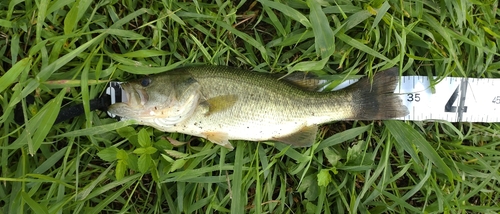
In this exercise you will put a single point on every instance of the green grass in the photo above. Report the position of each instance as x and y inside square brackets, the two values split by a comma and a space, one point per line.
[63, 53]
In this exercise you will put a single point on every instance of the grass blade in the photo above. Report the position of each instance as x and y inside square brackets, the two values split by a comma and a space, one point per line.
[39, 126]
[12, 74]
[287, 10]
[246, 38]
[238, 196]
[341, 137]
[356, 44]
[40, 18]
[380, 13]
[36, 207]
[323, 34]
[97, 129]
[51, 68]
[408, 137]
[150, 70]
[75, 14]
[6, 24]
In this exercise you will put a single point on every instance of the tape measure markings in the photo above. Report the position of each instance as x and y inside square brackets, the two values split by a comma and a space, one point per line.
[455, 99]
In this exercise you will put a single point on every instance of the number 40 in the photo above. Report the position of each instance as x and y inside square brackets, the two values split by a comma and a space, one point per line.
[449, 107]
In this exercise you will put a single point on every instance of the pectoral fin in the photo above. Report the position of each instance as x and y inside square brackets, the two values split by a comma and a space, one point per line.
[302, 138]
[219, 138]
[219, 103]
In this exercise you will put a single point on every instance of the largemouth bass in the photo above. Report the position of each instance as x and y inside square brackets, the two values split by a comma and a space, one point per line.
[221, 103]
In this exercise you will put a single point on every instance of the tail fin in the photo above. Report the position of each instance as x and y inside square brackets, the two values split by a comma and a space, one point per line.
[376, 100]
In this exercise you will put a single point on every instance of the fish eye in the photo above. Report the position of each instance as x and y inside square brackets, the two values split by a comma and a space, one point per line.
[145, 82]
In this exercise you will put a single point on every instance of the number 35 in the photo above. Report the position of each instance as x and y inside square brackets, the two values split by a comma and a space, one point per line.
[413, 97]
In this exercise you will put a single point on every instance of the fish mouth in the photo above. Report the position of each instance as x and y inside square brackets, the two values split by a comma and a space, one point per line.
[134, 97]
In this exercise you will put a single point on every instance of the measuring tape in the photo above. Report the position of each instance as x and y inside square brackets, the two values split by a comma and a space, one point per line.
[453, 99]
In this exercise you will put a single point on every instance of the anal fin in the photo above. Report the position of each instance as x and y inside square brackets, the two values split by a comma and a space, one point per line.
[219, 138]
[304, 137]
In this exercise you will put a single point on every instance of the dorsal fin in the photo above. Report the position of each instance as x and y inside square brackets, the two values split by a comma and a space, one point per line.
[303, 80]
